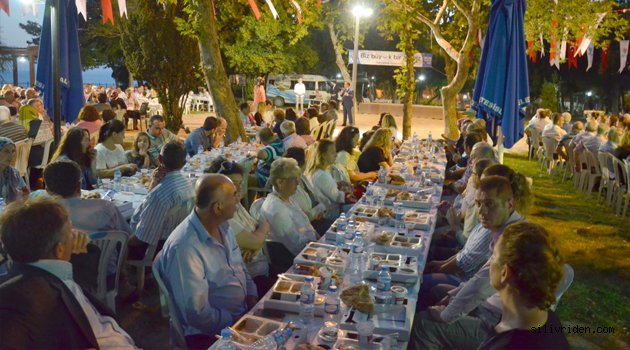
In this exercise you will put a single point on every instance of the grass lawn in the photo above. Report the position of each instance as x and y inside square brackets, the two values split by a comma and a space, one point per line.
[597, 244]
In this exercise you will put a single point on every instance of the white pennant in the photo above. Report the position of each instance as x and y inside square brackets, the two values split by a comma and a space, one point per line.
[586, 41]
[556, 61]
[272, 9]
[542, 46]
[122, 8]
[480, 38]
[589, 55]
[82, 8]
[563, 50]
[623, 52]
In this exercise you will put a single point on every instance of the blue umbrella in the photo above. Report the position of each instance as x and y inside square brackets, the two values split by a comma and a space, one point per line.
[71, 78]
[502, 87]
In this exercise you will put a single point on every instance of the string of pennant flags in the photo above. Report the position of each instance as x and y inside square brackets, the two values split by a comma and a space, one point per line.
[108, 13]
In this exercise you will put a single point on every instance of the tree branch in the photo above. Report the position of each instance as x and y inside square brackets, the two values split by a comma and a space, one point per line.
[437, 33]
[440, 13]
[465, 12]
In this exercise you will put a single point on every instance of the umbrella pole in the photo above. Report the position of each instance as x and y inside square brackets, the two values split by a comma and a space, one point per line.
[500, 147]
[55, 52]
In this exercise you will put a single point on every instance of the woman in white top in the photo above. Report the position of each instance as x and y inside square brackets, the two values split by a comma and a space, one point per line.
[347, 155]
[290, 226]
[250, 232]
[110, 154]
[326, 188]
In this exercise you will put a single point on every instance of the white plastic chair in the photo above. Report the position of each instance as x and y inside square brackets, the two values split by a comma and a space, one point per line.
[593, 171]
[622, 171]
[254, 209]
[534, 145]
[318, 131]
[20, 161]
[169, 310]
[46, 155]
[569, 166]
[606, 182]
[549, 147]
[564, 285]
[110, 243]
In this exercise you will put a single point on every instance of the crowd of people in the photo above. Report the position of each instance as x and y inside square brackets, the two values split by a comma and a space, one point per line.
[491, 276]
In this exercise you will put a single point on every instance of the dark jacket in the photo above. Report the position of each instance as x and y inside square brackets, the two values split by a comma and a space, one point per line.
[38, 311]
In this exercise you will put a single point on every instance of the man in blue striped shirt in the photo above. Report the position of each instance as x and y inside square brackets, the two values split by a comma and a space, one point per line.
[168, 203]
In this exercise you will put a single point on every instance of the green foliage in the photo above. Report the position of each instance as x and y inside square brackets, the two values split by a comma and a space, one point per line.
[164, 58]
[577, 17]
[549, 96]
[33, 29]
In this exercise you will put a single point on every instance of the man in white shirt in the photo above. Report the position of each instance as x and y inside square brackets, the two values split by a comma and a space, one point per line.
[291, 138]
[300, 90]
[555, 129]
[539, 120]
[41, 306]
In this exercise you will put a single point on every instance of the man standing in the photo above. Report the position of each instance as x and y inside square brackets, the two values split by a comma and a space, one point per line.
[159, 135]
[347, 101]
[202, 266]
[300, 90]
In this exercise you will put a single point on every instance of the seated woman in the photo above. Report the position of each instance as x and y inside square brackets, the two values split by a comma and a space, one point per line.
[526, 269]
[326, 188]
[12, 185]
[302, 126]
[75, 146]
[347, 155]
[139, 154]
[377, 152]
[291, 229]
[89, 119]
[389, 122]
[250, 233]
[110, 154]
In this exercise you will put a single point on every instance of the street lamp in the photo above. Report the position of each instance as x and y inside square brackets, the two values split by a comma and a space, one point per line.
[358, 11]
[589, 93]
[422, 77]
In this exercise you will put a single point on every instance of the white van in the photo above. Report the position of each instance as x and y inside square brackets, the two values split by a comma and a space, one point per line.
[279, 88]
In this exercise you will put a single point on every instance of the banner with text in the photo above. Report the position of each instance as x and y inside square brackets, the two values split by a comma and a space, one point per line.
[390, 58]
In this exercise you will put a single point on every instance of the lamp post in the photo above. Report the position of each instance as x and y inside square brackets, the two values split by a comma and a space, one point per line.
[358, 11]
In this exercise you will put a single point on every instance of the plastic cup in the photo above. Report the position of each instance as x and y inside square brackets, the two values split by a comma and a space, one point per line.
[399, 293]
[365, 330]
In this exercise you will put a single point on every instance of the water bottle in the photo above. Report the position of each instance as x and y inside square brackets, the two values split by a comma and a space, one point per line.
[225, 342]
[369, 191]
[275, 340]
[331, 308]
[200, 150]
[307, 301]
[358, 250]
[399, 214]
[383, 285]
[341, 222]
[382, 174]
[349, 234]
[117, 179]
[430, 138]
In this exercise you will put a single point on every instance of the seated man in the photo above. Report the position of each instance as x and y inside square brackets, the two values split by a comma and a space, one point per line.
[41, 306]
[202, 266]
[63, 178]
[273, 150]
[480, 150]
[467, 321]
[291, 138]
[168, 203]
[592, 142]
[159, 135]
[495, 207]
[590, 129]
[10, 129]
[201, 137]
[567, 138]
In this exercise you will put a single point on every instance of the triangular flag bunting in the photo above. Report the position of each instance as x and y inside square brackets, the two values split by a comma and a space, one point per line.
[108, 13]
[299, 11]
[530, 51]
[589, 55]
[4, 5]
[252, 4]
[542, 46]
[572, 59]
[604, 57]
[122, 8]
[81, 8]
[563, 50]
[272, 9]
[623, 53]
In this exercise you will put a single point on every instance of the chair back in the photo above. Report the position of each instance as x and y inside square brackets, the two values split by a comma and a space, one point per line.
[536, 137]
[111, 243]
[619, 171]
[331, 128]
[549, 145]
[144, 108]
[566, 282]
[592, 162]
[318, 132]
[46, 156]
[626, 169]
[254, 209]
[169, 308]
[605, 160]
[22, 151]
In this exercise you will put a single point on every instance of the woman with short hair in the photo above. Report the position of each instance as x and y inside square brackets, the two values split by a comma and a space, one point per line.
[110, 154]
[89, 119]
[12, 186]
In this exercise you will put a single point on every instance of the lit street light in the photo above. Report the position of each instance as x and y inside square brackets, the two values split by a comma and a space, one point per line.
[422, 77]
[358, 11]
[589, 93]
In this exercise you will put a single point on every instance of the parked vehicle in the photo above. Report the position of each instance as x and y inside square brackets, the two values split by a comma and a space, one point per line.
[279, 88]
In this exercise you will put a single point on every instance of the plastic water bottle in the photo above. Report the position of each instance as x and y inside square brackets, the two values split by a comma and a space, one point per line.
[382, 174]
[331, 308]
[369, 191]
[358, 250]
[117, 179]
[307, 301]
[349, 234]
[2, 204]
[341, 222]
[200, 150]
[225, 343]
[383, 285]
[430, 138]
[275, 340]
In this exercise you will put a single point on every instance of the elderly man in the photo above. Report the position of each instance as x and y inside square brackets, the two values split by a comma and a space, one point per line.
[567, 138]
[9, 100]
[539, 121]
[8, 128]
[168, 203]
[495, 207]
[159, 135]
[555, 130]
[590, 129]
[291, 138]
[592, 141]
[41, 306]
[480, 150]
[202, 266]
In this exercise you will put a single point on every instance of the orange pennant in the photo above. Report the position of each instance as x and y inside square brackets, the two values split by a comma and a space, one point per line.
[254, 7]
[530, 51]
[4, 5]
[108, 13]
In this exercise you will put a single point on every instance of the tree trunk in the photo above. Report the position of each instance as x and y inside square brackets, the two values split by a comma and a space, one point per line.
[131, 80]
[172, 111]
[341, 64]
[214, 71]
[410, 81]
